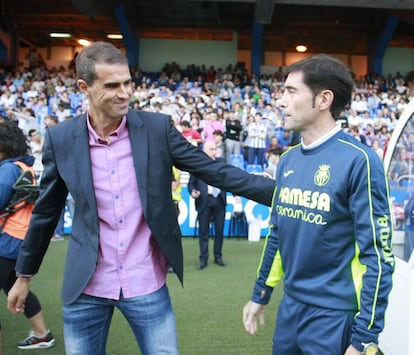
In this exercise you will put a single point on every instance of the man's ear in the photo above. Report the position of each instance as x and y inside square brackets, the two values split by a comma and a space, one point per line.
[326, 99]
[82, 86]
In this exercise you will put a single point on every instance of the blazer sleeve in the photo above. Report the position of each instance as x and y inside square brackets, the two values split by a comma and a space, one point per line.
[217, 172]
[46, 213]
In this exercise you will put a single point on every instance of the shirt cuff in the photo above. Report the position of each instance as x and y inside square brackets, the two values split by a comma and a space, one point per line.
[23, 276]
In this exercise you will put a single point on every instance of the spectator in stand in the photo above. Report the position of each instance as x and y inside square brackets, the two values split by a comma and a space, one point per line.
[26, 120]
[39, 83]
[369, 134]
[195, 90]
[220, 144]
[36, 146]
[354, 131]
[285, 140]
[192, 135]
[64, 100]
[273, 144]
[182, 114]
[7, 100]
[383, 136]
[236, 97]
[255, 143]
[272, 162]
[31, 93]
[51, 121]
[376, 147]
[19, 104]
[359, 104]
[18, 79]
[353, 118]
[373, 103]
[35, 59]
[60, 87]
[274, 119]
[163, 79]
[212, 124]
[195, 123]
[211, 75]
[40, 108]
[233, 134]
[401, 164]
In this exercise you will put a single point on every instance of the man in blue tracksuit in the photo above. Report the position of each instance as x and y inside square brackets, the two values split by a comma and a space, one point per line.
[330, 233]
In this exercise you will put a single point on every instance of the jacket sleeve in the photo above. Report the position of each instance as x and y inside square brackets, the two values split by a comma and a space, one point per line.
[187, 157]
[270, 270]
[46, 214]
[374, 263]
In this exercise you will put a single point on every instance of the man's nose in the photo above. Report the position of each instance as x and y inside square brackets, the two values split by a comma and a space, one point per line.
[280, 102]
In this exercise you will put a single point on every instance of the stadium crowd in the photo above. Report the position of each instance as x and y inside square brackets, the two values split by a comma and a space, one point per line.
[206, 103]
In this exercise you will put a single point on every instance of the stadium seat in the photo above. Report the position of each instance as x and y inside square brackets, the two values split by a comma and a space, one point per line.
[254, 168]
[237, 160]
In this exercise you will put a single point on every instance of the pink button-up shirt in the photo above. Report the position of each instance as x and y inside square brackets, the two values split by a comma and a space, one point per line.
[129, 258]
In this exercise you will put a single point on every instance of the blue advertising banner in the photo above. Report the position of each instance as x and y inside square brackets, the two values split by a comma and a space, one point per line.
[188, 214]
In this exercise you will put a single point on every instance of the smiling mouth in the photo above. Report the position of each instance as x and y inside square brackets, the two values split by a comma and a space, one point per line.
[122, 104]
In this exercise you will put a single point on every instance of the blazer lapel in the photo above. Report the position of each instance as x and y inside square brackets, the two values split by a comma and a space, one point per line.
[80, 149]
[139, 145]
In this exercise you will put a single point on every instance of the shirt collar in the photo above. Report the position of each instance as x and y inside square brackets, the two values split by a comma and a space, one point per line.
[321, 140]
[118, 133]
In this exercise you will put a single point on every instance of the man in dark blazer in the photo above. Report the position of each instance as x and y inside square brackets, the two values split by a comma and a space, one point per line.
[117, 165]
[210, 204]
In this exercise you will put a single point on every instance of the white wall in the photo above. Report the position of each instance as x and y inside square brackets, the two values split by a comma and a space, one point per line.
[154, 53]
[398, 59]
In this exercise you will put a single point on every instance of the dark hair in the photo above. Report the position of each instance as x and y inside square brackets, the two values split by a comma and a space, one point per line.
[31, 131]
[97, 52]
[53, 118]
[323, 72]
[276, 151]
[13, 142]
[217, 132]
[185, 123]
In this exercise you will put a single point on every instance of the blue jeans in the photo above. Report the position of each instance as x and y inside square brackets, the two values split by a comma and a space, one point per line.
[151, 317]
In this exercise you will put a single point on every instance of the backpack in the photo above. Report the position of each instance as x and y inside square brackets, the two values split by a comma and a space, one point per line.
[26, 191]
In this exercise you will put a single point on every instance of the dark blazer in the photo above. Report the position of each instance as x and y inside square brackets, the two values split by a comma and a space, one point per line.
[201, 202]
[156, 147]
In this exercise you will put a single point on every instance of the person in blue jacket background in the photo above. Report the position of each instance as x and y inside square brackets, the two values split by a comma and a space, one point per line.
[14, 158]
